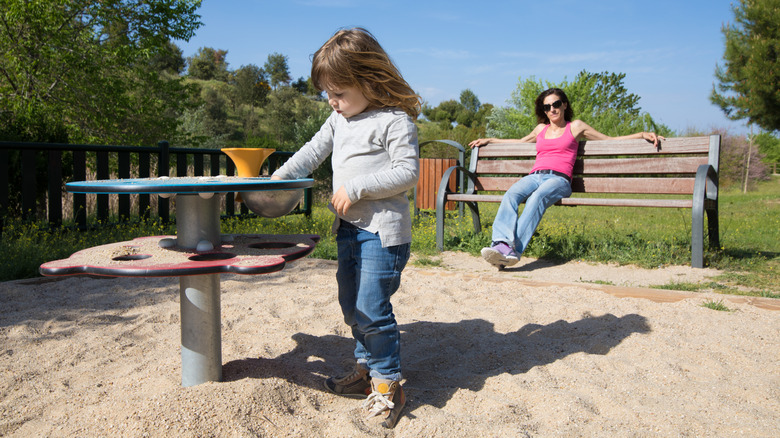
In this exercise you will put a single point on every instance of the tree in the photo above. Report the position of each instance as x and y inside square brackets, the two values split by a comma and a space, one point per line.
[89, 69]
[769, 146]
[469, 100]
[446, 111]
[307, 88]
[461, 121]
[286, 112]
[748, 79]
[277, 69]
[250, 84]
[735, 152]
[208, 64]
[600, 99]
[169, 60]
[209, 124]
[466, 112]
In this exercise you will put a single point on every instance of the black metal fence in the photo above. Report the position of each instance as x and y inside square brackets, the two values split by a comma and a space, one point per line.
[27, 166]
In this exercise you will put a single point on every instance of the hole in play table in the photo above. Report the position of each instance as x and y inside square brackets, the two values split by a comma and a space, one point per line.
[211, 257]
[131, 257]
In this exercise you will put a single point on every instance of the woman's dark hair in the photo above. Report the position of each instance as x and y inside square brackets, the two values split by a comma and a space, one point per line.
[541, 116]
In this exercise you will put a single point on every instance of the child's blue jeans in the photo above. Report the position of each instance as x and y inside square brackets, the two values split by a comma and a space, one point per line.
[367, 276]
[538, 191]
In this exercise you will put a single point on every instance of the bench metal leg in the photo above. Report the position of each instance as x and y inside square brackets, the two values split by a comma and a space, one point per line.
[440, 228]
[697, 234]
[440, 214]
[705, 190]
[712, 227]
[475, 216]
[697, 238]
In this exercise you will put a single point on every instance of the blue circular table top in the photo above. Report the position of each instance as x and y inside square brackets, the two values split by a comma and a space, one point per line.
[187, 184]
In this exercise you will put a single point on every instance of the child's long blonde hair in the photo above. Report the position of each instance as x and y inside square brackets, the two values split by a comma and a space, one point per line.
[354, 58]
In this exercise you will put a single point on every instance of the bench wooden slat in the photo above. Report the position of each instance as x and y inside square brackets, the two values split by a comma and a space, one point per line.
[639, 166]
[603, 166]
[670, 186]
[602, 202]
[618, 202]
[671, 146]
[474, 198]
[505, 166]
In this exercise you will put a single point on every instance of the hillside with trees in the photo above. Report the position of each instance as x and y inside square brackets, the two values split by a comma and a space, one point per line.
[81, 71]
[250, 106]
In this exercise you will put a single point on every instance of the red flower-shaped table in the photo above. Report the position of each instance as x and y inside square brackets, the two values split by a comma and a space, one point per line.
[197, 255]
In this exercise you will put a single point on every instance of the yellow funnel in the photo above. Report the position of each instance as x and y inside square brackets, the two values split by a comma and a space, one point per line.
[248, 161]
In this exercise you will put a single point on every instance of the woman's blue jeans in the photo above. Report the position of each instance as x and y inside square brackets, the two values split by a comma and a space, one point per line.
[367, 276]
[538, 191]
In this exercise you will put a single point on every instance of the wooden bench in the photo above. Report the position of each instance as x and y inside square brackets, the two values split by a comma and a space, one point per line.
[680, 166]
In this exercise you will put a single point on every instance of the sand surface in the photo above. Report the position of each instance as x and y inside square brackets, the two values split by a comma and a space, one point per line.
[537, 350]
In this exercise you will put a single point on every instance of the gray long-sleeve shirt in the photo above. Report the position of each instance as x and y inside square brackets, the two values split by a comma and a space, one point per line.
[376, 159]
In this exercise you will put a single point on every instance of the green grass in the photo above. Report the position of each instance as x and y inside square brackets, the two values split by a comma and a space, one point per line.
[27, 245]
[749, 254]
[427, 262]
[693, 287]
[681, 286]
[716, 305]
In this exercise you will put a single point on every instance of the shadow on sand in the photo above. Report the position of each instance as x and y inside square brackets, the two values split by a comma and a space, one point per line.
[439, 360]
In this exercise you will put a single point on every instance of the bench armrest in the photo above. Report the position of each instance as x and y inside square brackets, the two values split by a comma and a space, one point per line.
[441, 195]
[706, 184]
[445, 179]
[452, 143]
[444, 185]
[705, 199]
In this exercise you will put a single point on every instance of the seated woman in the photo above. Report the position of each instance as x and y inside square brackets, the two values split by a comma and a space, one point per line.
[557, 140]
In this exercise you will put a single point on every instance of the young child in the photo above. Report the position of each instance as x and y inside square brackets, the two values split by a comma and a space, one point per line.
[373, 141]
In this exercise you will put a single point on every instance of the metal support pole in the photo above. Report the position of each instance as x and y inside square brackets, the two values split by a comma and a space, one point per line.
[201, 330]
[197, 219]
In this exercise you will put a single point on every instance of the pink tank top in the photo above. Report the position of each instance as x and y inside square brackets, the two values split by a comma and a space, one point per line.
[557, 154]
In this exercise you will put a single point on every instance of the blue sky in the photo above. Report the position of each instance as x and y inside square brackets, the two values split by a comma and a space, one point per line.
[668, 49]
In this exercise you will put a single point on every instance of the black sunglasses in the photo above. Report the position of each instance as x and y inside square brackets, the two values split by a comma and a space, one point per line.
[557, 104]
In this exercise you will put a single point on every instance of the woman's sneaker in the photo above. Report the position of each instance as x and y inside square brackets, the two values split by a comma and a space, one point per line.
[386, 401]
[500, 254]
[356, 385]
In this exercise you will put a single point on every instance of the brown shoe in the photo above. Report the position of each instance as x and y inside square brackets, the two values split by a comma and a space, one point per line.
[386, 401]
[356, 385]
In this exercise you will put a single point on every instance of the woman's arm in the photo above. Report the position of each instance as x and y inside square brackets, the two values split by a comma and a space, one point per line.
[527, 139]
[580, 129]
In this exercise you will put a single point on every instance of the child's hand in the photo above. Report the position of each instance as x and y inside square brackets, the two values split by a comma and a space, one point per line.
[340, 201]
[276, 178]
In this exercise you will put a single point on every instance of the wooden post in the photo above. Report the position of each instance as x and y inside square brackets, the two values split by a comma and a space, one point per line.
[747, 165]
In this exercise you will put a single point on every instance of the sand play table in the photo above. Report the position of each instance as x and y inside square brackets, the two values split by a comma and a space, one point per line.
[197, 255]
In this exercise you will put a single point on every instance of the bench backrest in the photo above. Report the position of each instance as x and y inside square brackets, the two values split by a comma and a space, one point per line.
[605, 166]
